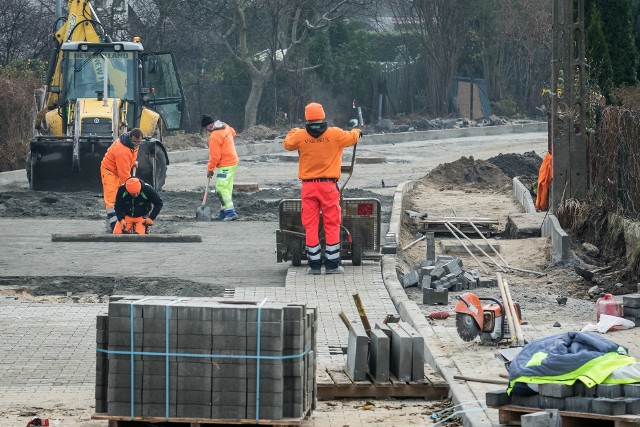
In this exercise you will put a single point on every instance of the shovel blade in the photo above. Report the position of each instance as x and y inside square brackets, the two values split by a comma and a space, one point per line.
[203, 213]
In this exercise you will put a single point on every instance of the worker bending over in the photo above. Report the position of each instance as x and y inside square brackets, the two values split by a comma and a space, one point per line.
[320, 150]
[116, 167]
[137, 206]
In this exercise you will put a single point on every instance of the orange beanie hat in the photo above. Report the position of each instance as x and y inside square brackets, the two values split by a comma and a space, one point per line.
[133, 185]
[314, 111]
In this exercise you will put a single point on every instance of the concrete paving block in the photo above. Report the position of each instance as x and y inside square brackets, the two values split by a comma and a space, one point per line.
[609, 390]
[431, 246]
[401, 353]
[192, 411]
[453, 267]
[158, 396]
[425, 282]
[193, 397]
[271, 385]
[532, 401]
[497, 398]
[157, 410]
[124, 409]
[438, 272]
[631, 301]
[485, 282]
[548, 402]
[631, 390]
[193, 383]
[159, 382]
[633, 405]
[426, 263]
[606, 406]
[266, 412]
[631, 312]
[379, 355]
[417, 356]
[228, 412]
[123, 395]
[536, 419]
[357, 352]
[577, 404]
[410, 279]
[384, 327]
[231, 398]
[432, 296]
[555, 390]
[580, 389]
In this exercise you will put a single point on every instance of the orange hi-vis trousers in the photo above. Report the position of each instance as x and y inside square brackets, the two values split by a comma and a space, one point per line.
[321, 196]
[132, 223]
[545, 177]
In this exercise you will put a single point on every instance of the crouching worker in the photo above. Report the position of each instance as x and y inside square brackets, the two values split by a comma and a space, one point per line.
[137, 206]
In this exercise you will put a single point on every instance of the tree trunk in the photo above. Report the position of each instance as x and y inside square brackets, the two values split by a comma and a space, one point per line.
[251, 107]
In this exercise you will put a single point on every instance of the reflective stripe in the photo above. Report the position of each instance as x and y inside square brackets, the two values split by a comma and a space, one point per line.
[111, 215]
[332, 252]
[313, 253]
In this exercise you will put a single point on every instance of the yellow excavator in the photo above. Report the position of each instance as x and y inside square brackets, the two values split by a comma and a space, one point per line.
[97, 89]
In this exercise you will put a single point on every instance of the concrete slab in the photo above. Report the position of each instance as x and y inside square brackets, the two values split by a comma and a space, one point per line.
[524, 225]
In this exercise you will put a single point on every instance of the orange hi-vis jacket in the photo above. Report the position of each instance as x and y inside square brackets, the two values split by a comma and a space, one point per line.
[119, 159]
[545, 176]
[320, 157]
[222, 150]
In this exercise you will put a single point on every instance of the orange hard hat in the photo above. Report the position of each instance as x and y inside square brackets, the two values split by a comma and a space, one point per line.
[314, 111]
[133, 185]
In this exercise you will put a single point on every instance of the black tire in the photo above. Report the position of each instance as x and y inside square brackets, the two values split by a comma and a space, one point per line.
[356, 250]
[152, 164]
[296, 253]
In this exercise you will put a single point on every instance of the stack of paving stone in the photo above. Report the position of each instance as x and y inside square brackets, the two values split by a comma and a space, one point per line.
[631, 308]
[436, 277]
[395, 348]
[182, 343]
[604, 399]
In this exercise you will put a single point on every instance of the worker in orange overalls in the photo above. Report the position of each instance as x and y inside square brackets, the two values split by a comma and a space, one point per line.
[320, 150]
[222, 155]
[545, 176]
[137, 206]
[116, 167]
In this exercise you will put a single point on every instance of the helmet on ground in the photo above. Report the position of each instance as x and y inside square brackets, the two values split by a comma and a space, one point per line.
[313, 112]
[133, 185]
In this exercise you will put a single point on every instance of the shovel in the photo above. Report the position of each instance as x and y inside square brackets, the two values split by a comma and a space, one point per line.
[203, 213]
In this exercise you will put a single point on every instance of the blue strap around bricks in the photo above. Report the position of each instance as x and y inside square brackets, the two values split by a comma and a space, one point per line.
[167, 354]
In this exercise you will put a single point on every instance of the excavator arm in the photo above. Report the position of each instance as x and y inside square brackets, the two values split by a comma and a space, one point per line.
[81, 24]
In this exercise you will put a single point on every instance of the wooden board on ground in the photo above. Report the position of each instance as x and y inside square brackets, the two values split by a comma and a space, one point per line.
[510, 415]
[138, 238]
[122, 421]
[335, 383]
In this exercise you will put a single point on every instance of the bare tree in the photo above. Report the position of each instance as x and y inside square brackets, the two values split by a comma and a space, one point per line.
[23, 30]
[264, 36]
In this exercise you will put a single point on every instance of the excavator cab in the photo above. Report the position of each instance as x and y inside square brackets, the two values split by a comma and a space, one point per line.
[105, 89]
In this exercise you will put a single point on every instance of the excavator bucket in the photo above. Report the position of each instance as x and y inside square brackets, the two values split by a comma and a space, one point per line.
[55, 164]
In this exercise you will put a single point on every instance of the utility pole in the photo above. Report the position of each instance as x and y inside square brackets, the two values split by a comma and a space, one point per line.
[568, 127]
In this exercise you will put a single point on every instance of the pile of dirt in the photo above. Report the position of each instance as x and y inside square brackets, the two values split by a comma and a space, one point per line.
[527, 164]
[258, 133]
[467, 173]
[184, 141]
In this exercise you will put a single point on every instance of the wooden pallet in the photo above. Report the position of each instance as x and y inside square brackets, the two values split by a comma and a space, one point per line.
[510, 415]
[335, 383]
[122, 421]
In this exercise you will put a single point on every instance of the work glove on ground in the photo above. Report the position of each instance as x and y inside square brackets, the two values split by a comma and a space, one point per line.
[148, 222]
[209, 174]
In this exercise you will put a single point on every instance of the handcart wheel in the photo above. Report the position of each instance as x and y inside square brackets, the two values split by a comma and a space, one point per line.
[296, 253]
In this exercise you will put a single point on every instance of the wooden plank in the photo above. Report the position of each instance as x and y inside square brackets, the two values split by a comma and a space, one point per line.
[323, 377]
[118, 420]
[138, 238]
[510, 415]
[340, 378]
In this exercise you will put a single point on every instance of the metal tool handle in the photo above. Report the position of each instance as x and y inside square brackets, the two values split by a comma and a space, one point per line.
[206, 191]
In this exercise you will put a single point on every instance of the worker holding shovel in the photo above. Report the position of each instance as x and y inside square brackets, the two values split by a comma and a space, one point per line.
[223, 156]
[137, 206]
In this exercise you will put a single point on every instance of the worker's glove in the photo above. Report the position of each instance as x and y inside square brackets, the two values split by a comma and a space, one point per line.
[209, 174]
[360, 136]
[123, 223]
[148, 222]
[135, 164]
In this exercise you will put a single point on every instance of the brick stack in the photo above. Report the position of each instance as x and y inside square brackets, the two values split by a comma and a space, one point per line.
[196, 384]
[631, 307]
[603, 399]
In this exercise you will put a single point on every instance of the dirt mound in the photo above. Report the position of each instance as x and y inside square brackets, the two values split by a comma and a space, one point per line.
[185, 141]
[258, 133]
[468, 173]
[527, 164]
